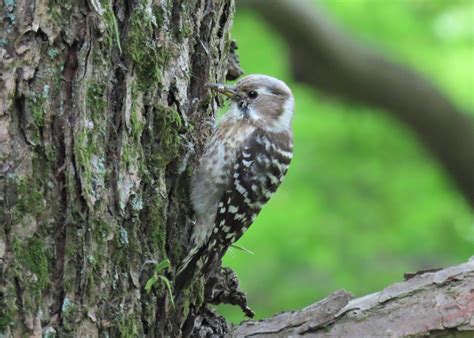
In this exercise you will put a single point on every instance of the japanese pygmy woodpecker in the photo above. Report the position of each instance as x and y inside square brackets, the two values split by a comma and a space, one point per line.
[242, 165]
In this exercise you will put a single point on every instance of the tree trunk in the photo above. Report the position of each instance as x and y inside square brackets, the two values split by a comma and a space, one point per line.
[103, 111]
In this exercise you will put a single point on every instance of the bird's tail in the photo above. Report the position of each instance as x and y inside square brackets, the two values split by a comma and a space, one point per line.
[188, 268]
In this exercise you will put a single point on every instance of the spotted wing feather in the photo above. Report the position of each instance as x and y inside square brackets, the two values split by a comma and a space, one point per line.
[258, 171]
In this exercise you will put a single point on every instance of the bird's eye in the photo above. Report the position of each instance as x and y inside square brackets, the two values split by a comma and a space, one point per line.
[252, 94]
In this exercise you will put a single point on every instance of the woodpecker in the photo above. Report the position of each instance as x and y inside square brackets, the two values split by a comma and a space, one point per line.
[243, 163]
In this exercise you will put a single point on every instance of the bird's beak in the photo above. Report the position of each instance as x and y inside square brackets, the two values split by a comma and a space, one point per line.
[227, 90]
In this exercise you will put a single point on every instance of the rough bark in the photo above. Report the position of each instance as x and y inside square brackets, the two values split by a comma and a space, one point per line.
[437, 303]
[102, 112]
[325, 57]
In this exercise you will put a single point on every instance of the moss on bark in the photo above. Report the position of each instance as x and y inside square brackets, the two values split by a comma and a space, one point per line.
[101, 103]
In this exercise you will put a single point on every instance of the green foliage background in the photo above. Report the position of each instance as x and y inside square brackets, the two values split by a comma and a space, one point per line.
[363, 202]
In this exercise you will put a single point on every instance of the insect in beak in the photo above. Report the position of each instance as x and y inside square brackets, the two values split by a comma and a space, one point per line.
[224, 89]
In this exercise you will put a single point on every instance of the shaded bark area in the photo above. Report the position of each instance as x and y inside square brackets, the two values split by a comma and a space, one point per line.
[102, 112]
[325, 57]
[436, 304]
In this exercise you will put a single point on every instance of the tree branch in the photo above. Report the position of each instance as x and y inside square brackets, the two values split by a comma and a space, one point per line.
[327, 59]
[430, 303]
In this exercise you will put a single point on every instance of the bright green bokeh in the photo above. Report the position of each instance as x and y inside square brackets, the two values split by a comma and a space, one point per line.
[363, 201]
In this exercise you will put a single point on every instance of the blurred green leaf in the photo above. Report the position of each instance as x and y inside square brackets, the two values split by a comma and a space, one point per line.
[164, 264]
[168, 287]
[149, 284]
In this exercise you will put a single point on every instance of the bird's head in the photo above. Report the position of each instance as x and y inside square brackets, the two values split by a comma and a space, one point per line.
[264, 100]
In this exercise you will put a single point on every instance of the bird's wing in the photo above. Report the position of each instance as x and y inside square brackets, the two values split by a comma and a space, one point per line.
[258, 171]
